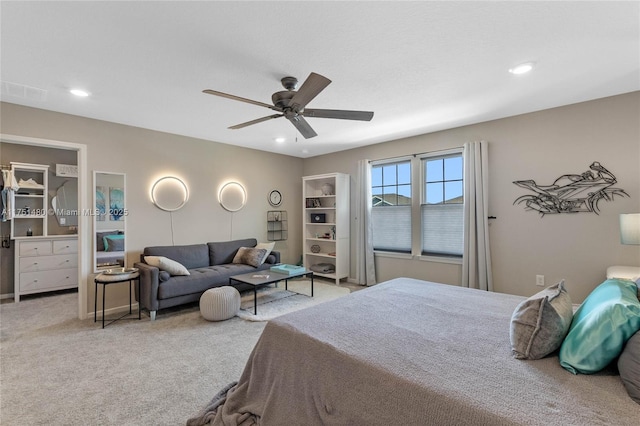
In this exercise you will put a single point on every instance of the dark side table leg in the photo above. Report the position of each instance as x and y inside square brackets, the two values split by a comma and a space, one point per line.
[311, 285]
[139, 316]
[255, 300]
[95, 303]
[104, 287]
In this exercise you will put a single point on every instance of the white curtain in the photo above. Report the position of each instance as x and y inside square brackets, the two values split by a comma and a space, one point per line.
[365, 265]
[476, 260]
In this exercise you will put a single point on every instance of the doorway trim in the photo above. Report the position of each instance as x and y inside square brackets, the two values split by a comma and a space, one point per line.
[83, 205]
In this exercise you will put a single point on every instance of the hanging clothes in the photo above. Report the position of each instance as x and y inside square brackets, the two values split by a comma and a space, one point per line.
[8, 195]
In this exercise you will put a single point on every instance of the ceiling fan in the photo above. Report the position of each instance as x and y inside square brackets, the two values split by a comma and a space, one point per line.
[291, 104]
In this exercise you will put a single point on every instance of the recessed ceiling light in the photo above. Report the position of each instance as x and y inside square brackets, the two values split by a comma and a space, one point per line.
[522, 68]
[280, 140]
[79, 92]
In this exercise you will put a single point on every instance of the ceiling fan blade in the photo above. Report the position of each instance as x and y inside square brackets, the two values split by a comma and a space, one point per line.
[259, 120]
[303, 127]
[312, 86]
[238, 98]
[338, 113]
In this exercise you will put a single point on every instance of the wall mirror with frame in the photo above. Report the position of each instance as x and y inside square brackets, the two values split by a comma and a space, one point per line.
[109, 220]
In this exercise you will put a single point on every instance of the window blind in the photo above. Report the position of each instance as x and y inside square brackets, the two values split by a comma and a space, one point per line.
[442, 229]
[392, 228]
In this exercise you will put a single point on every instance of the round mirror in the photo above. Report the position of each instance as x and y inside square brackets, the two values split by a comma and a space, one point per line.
[169, 193]
[232, 196]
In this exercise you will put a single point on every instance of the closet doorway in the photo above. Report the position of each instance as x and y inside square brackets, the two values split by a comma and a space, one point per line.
[83, 223]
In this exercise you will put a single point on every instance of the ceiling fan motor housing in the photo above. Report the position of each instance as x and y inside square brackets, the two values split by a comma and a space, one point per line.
[281, 99]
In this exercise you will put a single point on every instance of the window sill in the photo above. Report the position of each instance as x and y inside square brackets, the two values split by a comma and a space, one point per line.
[392, 255]
[443, 259]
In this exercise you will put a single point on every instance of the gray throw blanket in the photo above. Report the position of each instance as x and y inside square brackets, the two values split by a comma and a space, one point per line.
[207, 414]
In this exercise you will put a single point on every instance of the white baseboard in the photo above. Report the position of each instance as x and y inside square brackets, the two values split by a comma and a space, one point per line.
[116, 310]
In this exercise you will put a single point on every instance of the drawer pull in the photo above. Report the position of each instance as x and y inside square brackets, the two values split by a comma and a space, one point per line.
[67, 260]
[35, 281]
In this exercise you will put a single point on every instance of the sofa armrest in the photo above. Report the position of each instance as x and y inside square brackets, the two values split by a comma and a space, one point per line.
[149, 283]
[273, 260]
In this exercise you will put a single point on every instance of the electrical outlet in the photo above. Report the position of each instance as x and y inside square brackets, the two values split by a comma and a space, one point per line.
[540, 280]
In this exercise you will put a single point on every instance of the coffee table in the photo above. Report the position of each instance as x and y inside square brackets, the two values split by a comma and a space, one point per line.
[260, 278]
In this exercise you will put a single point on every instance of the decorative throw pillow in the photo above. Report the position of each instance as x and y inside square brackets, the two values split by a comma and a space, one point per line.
[268, 247]
[163, 276]
[629, 367]
[166, 264]
[249, 256]
[114, 243]
[540, 323]
[609, 316]
[100, 239]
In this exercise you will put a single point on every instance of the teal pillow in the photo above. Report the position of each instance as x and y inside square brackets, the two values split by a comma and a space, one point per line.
[113, 239]
[609, 316]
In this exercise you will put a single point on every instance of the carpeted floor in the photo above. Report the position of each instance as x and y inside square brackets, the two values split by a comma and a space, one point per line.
[58, 370]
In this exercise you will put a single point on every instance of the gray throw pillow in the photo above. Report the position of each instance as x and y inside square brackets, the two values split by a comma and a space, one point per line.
[540, 323]
[250, 256]
[163, 276]
[114, 243]
[629, 367]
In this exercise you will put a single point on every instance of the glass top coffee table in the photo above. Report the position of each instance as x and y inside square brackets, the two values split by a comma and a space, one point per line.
[260, 278]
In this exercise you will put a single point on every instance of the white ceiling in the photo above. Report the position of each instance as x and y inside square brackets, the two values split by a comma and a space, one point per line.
[420, 66]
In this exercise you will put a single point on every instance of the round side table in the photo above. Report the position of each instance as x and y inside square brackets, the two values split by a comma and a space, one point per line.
[105, 279]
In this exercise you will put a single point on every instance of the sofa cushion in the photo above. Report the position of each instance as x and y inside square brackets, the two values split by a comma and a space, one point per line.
[201, 279]
[224, 252]
[268, 247]
[191, 256]
[166, 264]
[250, 256]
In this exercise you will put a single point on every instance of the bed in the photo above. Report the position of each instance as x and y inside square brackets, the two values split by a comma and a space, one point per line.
[410, 352]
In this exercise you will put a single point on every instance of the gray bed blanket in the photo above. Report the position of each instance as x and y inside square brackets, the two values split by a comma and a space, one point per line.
[409, 352]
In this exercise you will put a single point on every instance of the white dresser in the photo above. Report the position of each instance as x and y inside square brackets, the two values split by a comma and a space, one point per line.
[45, 264]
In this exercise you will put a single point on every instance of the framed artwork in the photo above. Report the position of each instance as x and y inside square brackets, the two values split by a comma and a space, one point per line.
[116, 204]
[101, 203]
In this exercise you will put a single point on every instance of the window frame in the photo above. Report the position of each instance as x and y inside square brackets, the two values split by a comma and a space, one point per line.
[455, 152]
[391, 161]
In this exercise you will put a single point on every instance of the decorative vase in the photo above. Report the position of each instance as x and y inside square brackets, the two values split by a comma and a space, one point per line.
[327, 189]
[315, 248]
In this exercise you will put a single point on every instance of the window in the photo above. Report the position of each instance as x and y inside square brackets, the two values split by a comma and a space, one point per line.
[391, 200]
[438, 200]
[442, 205]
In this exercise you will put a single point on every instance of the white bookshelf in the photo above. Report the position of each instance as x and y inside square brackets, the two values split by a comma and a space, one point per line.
[30, 200]
[326, 241]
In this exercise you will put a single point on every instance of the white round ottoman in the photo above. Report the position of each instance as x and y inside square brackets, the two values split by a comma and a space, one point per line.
[220, 303]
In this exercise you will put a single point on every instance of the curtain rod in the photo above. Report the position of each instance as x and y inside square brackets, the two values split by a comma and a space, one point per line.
[417, 154]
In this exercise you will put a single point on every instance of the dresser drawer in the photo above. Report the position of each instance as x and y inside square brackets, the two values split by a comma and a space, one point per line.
[32, 282]
[46, 263]
[35, 248]
[65, 246]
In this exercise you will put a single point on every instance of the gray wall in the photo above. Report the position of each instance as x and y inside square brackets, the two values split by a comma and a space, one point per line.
[145, 155]
[541, 146]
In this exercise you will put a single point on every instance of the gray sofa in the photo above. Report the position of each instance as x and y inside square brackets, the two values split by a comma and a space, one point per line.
[210, 265]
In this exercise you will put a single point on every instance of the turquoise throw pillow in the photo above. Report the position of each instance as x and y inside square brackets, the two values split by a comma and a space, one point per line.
[609, 316]
[111, 238]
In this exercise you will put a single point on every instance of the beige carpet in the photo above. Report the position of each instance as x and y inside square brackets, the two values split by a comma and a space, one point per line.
[58, 370]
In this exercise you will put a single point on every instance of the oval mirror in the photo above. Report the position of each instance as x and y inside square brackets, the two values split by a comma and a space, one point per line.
[232, 196]
[169, 193]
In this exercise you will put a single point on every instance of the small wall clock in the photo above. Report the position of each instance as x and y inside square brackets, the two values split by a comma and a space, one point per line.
[275, 198]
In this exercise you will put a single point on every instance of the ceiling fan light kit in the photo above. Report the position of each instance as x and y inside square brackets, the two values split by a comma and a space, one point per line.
[291, 104]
